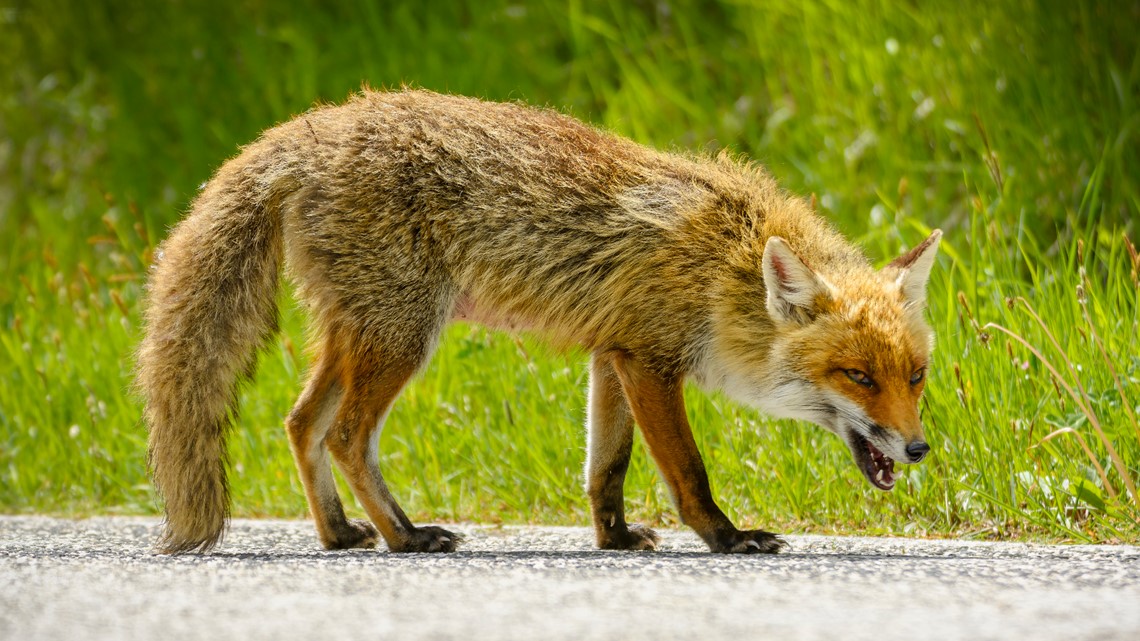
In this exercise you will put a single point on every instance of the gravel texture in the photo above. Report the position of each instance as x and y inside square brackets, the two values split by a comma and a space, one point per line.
[97, 579]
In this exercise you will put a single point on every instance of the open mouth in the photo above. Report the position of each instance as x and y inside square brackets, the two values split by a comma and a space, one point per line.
[876, 466]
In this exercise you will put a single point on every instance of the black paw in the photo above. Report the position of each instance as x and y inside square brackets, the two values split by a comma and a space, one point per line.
[747, 542]
[633, 537]
[429, 539]
[356, 533]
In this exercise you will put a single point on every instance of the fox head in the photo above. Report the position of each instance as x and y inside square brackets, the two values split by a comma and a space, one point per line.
[848, 350]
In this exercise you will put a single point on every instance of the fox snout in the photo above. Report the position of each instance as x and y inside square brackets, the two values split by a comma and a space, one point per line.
[905, 445]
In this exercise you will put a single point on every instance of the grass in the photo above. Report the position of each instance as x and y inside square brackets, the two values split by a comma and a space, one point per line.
[1012, 126]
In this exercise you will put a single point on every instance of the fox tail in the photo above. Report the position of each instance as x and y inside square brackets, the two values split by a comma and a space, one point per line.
[211, 305]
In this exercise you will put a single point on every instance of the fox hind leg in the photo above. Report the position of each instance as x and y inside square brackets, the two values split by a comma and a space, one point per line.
[373, 378]
[307, 426]
[610, 440]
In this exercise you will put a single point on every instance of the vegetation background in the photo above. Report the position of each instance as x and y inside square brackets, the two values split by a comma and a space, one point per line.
[1011, 124]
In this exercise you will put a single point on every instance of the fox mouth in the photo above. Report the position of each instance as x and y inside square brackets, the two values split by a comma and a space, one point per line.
[876, 466]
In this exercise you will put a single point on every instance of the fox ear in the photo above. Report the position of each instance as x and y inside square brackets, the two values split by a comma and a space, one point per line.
[792, 286]
[914, 267]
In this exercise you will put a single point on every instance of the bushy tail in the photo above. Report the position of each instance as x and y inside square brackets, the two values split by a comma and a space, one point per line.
[212, 304]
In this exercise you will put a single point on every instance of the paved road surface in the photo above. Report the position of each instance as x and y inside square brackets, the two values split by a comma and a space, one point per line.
[96, 579]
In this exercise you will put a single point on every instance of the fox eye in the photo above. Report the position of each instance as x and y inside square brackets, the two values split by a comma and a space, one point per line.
[859, 377]
[917, 376]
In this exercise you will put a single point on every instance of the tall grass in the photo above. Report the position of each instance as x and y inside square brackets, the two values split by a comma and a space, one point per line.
[1011, 126]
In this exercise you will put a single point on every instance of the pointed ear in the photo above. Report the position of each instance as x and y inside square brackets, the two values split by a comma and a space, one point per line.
[792, 286]
[914, 267]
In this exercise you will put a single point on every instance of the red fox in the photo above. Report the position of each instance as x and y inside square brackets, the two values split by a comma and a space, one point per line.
[399, 212]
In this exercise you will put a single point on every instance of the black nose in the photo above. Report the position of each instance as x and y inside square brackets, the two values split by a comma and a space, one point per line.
[917, 451]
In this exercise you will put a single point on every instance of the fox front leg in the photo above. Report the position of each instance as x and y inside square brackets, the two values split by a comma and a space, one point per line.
[610, 439]
[658, 406]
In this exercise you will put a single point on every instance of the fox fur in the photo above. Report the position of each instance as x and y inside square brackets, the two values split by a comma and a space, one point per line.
[398, 212]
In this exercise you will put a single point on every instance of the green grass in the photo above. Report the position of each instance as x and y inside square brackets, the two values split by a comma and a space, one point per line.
[1012, 126]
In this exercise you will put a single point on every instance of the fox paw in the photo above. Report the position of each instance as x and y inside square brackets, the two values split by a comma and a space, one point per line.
[429, 539]
[356, 533]
[633, 537]
[747, 542]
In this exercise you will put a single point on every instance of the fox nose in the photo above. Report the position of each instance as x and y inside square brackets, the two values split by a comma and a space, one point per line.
[917, 451]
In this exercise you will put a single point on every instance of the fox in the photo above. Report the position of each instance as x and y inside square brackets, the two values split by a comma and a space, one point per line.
[396, 213]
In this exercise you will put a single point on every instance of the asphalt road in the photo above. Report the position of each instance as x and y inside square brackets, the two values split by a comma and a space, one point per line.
[97, 579]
